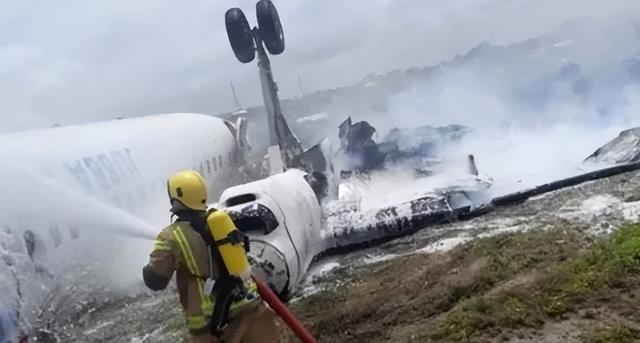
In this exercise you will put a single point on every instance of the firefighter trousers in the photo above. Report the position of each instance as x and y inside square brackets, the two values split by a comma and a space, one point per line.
[252, 324]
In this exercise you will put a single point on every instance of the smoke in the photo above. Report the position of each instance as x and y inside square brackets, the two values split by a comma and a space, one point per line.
[70, 61]
[537, 108]
[48, 243]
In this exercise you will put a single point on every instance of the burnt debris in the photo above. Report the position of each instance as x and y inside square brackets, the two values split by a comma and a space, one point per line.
[416, 148]
[623, 149]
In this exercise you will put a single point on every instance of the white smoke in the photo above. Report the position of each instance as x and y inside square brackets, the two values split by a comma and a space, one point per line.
[537, 109]
[93, 248]
[71, 61]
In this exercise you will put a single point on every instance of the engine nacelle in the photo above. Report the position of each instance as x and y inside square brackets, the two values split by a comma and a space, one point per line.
[282, 216]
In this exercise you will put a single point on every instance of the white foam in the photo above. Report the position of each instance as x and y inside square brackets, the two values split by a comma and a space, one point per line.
[443, 245]
[631, 211]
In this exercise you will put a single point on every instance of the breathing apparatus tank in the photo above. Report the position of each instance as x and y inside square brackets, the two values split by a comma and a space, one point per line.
[232, 244]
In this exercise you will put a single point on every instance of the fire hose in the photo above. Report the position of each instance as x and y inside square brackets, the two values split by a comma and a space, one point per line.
[283, 311]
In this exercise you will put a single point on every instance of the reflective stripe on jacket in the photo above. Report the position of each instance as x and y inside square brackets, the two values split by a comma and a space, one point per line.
[179, 248]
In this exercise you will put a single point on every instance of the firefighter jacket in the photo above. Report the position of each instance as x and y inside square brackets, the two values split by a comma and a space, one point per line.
[181, 249]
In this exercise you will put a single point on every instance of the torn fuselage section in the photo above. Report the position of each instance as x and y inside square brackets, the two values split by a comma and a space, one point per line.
[282, 217]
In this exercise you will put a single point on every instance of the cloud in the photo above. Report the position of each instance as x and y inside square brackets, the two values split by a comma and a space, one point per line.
[71, 61]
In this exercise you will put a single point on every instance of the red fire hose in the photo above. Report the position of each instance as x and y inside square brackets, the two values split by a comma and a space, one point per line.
[281, 309]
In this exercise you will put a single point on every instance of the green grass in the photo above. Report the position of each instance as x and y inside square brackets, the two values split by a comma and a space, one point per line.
[567, 276]
[616, 333]
[508, 255]
[609, 264]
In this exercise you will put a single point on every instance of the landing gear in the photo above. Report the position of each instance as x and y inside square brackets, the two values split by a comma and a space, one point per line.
[270, 27]
[244, 40]
[240, 35]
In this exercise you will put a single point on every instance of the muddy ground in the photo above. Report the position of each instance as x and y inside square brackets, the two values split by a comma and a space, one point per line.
[416, 293]
[416, 289]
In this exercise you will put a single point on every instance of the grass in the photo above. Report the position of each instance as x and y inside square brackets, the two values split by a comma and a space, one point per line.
[568, 276]
[509, 255]
[616, 333]
[499, 286]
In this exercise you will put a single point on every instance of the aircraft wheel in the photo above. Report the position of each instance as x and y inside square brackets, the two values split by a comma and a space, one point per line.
[240, 35]
[270, 26]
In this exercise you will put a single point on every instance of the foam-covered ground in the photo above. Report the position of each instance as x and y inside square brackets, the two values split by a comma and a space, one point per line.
[595, 207]
[393, 278]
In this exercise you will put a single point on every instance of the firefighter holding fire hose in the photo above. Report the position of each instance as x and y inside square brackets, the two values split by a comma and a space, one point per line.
[208, 254]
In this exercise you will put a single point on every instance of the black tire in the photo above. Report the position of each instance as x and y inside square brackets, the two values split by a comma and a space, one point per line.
[240, 35]
[270, 26]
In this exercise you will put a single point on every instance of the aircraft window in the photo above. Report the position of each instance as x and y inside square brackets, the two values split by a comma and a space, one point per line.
[255, 219]
[208, 166]
[240, 199]
[201, 169]
[220, 161]
[215, 164]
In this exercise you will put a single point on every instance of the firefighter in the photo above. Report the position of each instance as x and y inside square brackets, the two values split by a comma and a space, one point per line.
[218, 307]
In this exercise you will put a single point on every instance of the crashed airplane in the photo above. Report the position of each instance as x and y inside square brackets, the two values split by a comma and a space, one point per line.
[81, 195]
[78, 197]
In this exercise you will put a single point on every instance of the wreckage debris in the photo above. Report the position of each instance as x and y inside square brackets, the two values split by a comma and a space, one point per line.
[407, 218]
[519, 197]
[623, 149]
[357, 141]
[416, 147]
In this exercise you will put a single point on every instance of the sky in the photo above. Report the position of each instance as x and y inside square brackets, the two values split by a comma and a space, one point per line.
[73, 61]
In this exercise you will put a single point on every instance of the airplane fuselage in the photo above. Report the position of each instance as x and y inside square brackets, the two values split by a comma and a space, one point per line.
[74, 199]
[126, 162]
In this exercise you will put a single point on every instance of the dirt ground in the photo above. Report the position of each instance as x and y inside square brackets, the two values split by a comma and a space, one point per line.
[487, 289]
[387, 301]
[413, 296]
[410, 299]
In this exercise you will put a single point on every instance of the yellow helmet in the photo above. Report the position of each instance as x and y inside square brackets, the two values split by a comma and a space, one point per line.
[189, 188]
